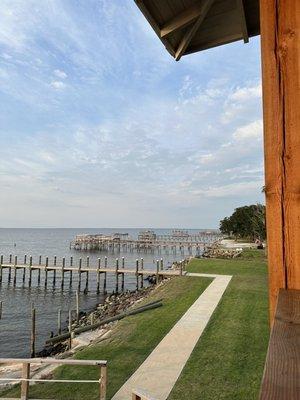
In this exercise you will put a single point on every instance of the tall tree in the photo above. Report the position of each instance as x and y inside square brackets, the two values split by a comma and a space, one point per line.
[246, 222]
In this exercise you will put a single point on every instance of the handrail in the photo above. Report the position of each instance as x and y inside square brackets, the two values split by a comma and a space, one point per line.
[52, 361]
[25, 379]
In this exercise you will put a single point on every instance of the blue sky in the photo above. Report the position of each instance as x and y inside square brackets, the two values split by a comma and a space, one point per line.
[100, 127]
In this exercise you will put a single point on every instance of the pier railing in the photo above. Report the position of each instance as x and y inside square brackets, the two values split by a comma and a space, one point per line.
[25, 378]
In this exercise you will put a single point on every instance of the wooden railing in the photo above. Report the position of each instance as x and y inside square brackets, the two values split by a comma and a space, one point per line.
[25, 379]
[281, 380]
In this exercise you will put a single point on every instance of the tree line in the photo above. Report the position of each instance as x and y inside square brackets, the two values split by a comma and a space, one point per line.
[246, 222]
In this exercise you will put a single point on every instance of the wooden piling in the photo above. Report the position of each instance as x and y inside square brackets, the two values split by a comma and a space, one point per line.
[63, 272]
[59, 321]
[70, 329]
[157, 272]
[79, 272]
[46, 271]
[123, 275]
[71, 272]
[117, 275]
[15, 271]
[137, 273]
[30, 271]
[105, 275]
[1, 307]
[77, 306]
[1, 262]
[54, 271]
[98, 274]
[33, 333]
[24, 269]
[39, 271]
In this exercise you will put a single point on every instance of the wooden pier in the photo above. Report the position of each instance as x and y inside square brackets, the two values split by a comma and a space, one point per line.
[146, 241]
[63, 271]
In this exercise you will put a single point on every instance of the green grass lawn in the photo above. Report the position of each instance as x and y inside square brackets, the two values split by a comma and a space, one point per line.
[228, 361]
[132, 341]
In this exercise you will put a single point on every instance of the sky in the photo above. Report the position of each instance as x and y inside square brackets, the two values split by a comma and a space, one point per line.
[100, 127]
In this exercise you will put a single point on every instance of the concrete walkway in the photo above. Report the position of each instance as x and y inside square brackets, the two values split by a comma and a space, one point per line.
[160, 371]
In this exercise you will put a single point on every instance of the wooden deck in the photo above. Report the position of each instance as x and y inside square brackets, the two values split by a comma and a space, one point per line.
[281, 380]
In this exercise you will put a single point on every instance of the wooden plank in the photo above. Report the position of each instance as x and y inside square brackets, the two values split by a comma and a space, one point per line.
[192, 31]
[181, 20]
[243, 23]
[280, 41]
[281, 380]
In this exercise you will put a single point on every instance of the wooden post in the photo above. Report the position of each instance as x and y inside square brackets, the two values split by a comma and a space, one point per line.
[98, 275]
[33, 333]
[46, 271]
[39, 271]
[280, 43]
[77, 305]
[63, 272]
[105, 275]
[10, 258]
[137, 273]
[70, 329]
[157, 272]
[15, 270]
[103, 382]
[79, 273]
[25, 384]
[1, 262]
[71, 272]
[142, 276]
[117, 275]
[54, 270]
[59, 321]
[30, 271]
[123, 274]
[24, 269]
[1, 307]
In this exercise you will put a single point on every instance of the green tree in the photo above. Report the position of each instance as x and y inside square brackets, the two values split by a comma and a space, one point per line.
[246, 222]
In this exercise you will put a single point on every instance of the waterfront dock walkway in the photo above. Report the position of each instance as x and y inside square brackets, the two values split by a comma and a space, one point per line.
[160, 371]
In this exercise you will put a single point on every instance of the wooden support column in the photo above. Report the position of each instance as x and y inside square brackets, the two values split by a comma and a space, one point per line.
[280, 41]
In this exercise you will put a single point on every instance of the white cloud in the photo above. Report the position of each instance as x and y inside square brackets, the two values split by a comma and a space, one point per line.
[60, 74]
[246, 93]
[252, 131]
[59, 85]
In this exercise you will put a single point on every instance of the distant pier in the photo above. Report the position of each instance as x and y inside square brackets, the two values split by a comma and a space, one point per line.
[147, 241]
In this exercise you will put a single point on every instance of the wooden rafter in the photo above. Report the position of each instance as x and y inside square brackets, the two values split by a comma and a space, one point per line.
[153, 23]
[243, 22]
[182, 19]
[206, 4]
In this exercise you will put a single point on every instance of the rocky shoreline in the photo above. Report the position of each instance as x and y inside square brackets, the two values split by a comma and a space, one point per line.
[113, 305]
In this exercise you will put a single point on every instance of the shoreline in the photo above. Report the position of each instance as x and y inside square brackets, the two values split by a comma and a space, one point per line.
[113, 305]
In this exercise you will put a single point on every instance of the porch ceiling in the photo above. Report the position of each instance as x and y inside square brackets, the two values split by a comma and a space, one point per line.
[188, 26]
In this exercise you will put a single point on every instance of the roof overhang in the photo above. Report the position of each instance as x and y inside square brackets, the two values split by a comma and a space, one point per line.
[188, 26]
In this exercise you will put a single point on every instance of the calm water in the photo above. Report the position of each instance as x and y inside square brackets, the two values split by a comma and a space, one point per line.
[15, 322]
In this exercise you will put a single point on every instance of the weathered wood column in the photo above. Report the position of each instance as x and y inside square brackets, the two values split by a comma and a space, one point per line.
[280, 41]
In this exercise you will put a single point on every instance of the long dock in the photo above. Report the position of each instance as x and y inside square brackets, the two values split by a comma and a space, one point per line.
[147, 241]
[28, 268]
